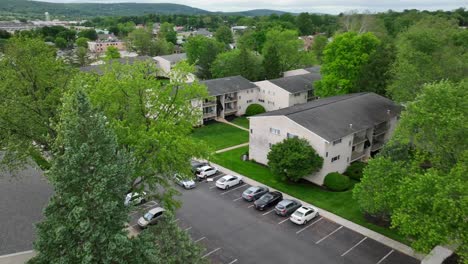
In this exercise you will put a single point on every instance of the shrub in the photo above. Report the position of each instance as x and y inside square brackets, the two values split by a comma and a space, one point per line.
[337, 182]
[254, 109]
[354, 170]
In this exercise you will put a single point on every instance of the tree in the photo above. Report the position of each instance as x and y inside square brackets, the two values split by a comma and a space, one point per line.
[140, 40]
[293, 158]
[427, 52]
[81, 55]
[224, 35]
[167, 32]
[304, 24]
[343, 59]
[238, 62]
[161, 47]
[112, 53]
[287, 45]
[31, 87]
[88, 33]
[88, 172]
[319, 46]
[82, 42]
[203, 51]
[271, 62]
[60, 43]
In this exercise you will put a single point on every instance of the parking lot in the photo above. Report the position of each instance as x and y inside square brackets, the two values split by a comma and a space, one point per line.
[232, 231]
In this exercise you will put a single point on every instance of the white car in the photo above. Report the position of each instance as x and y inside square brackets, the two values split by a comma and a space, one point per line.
[135, 198]
[304, 214]
[185, 182]
[206, 171]
[228, 181]
[151, 217]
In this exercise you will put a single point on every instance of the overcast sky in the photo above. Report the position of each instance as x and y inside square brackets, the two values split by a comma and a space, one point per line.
[320, 6]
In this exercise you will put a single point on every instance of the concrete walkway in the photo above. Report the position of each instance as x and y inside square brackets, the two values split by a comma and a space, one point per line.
[17, 258]
[339, 220]
[222, 120]
[233, 147]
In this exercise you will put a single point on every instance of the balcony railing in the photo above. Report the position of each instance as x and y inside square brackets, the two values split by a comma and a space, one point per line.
[229, 110]
[380, 129]
[209, 103]
[359, 139]
[209, 114]
[355, 155]
[376, 145]
[230, 99]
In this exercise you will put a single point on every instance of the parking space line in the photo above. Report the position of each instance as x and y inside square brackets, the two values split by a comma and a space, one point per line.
[188, 228]
[214, 186]
[211, 252]
[200, 239]
[382, 259]
[177, 220]
[316, 221]
[283, 221]
[349, 250]
[250, 206]
[268, 212]
[234, 189]
[336, 230]
[234, 261]
[134, 213]
[214, 178]
[237, 199]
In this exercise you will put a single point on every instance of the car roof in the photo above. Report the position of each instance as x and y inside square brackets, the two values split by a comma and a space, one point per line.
[228, 176]
[286, 201]
[205, 167]
[156, 210]
[305, 209]
[276, 193]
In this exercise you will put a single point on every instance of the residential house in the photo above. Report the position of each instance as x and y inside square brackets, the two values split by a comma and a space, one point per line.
[166, 62]
[341, 129]
[314, 69]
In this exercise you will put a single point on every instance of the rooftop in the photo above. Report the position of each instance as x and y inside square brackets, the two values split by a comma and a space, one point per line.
[227, 85]
[331, 117]
[297, 83]
[174, 57]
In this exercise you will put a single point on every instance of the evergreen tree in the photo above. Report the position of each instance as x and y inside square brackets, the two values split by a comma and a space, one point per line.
[271, 63]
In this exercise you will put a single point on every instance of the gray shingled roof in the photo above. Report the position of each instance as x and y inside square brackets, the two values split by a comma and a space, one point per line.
[129, 60]
[314, 69]
[227, 85]
[175, 57]
[330, 117]
[297, 83]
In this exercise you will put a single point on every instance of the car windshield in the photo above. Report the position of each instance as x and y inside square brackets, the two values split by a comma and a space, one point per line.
[266, 197]
[248, 191]
[299, 214]
[280, 206]
[222, 180]
[148, 216]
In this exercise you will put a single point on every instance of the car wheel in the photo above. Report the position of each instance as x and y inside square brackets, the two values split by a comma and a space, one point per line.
[305, 222]
[241, 182]
[227, 187]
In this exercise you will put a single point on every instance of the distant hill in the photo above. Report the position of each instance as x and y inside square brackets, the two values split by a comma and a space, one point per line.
[83, 10]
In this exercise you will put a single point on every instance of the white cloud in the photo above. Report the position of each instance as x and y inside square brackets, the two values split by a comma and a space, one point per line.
[321, 6]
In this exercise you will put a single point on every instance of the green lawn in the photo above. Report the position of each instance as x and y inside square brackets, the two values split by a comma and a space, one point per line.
[339, 203]
[241, 121]
[219, 135]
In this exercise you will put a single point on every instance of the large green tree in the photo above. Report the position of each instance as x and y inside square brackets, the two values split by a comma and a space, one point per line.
[224, 35]
[112, 53]
[141, 40]
[202, 51]
[343, 60]
[89, 34]
[293, 158]
[167, 32]
[271, 62]
[32, 82]
[320, 42]
[238, 62]
[428, 51]
[89, 171]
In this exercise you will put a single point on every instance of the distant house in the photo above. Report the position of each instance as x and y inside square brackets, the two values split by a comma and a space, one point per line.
[166, 62]
[314, 69]
[202, 32]
[307, 42]
[342, 129]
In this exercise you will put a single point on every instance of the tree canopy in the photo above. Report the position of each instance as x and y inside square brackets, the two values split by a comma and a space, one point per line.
[238, 62]
[112, 53]
[224, 35]
[202, 51]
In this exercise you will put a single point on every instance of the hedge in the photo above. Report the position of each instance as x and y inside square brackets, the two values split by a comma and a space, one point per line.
[254, 109]
[354, 170]
[337, 182]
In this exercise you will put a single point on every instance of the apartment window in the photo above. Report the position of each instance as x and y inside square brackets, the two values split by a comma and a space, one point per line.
[249, 101]
[251, 131]
[335, 158]
[261, 100]
[326, 154]
[297, 94]
[291, 135]
[274, 131]
[336, 142]
[239, 97]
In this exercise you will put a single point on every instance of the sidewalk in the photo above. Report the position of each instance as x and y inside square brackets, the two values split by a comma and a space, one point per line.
[17, 258]
[233, 147]
[340, 220]
[222, 120]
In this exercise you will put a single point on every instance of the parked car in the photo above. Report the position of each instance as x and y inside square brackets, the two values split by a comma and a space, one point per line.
[135, 198]
[254, 192]
[304, 214]
[206, 171]
[151, 217]
[267, 200]
[228, 181]
[185, 182]
[197, 164]
[287, 207]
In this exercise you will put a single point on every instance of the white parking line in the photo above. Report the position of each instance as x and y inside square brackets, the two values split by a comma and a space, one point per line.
[177, 220]
[234, 261]
[211, 252]
[188, 228]
[316, 221]
[382, 259]
[234, 189]
[237, 199]
[212, 187]
[268, 212]
[200, 239]
[349, 250]
[283, 221]
[250, 206]
[329, 235]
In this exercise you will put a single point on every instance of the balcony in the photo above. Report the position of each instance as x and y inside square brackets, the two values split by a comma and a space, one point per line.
[359, 139]
[209, 114]
[229, 110]
[228, 99]
[355, 155]
[207, 103]
[380, 129]
[376, 145]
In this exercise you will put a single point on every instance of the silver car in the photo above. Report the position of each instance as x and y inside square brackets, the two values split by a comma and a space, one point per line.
[151, 217]
[184, 182]
[287, 207]
[254, 192]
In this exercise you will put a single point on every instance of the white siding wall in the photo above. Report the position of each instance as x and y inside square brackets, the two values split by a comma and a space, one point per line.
[246, 98]
[300, 99]
[273, 97]
[164, 65]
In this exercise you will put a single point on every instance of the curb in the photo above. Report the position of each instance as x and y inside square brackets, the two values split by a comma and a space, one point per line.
[340, 220]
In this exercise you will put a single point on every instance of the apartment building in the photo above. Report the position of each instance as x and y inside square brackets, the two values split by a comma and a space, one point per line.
[166, 62]
[314, 69]
[341, 129]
